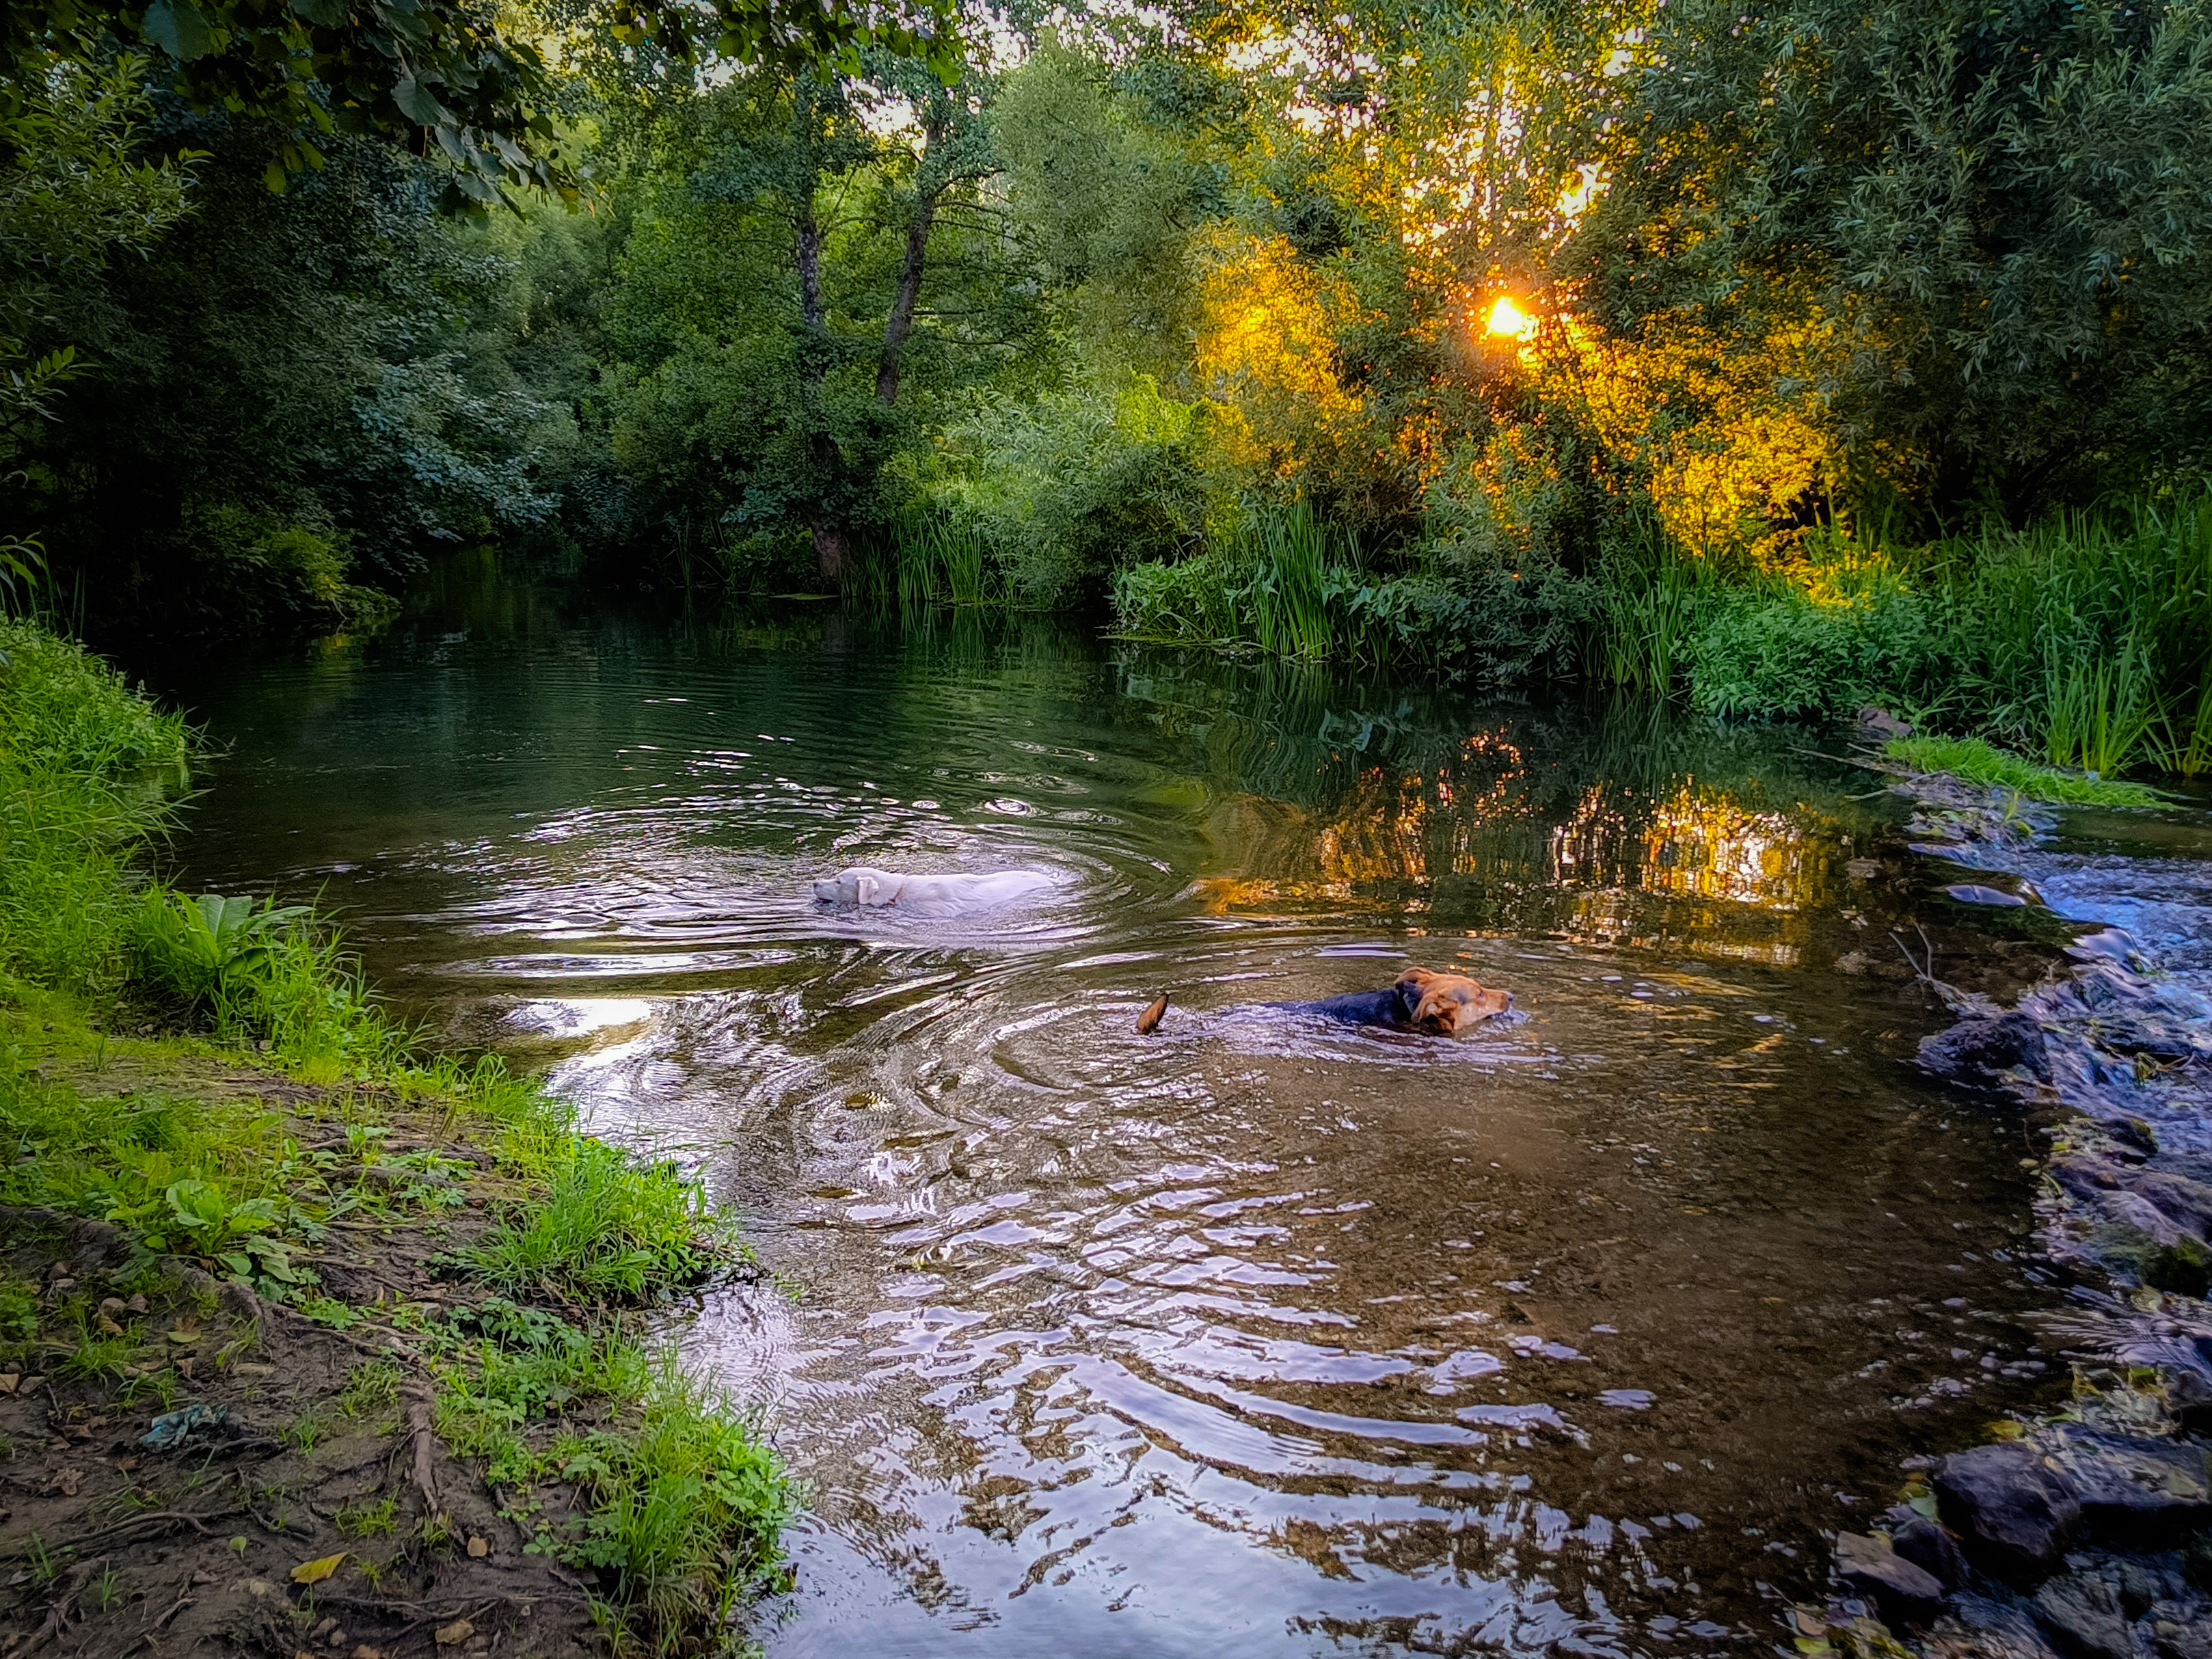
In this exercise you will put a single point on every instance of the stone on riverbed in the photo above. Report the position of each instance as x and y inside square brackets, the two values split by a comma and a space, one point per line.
[2082, 1612]
[1976, 1050]
[1906, 1592]
[2168, 1207]
[1931, 1549]
[2133, 1491]
[2011, 1510]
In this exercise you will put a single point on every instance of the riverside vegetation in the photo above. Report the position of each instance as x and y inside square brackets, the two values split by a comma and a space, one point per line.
[362, 1337]
[1587, 340]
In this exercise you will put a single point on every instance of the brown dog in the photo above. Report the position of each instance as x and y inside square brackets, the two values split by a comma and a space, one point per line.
[1422, 1000]
[1449, 1005]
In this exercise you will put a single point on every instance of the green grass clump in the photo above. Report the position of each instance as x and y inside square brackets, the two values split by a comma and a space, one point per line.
[1973, 761]
[609, 1228]
[371, 1388]
[364, 1519]
[688, 1506]
[88, 769]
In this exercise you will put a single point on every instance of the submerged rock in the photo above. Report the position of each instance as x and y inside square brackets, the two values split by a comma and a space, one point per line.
[1930, 1547]
[1967, 892]
[1905, 1592]
[1977, 1050]
[2082, 1613]
[2179, 1204]
[2012, 1512]
[2133, 1490]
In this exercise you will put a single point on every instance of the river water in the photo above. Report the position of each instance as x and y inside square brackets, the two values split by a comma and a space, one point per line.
[1249, 1336]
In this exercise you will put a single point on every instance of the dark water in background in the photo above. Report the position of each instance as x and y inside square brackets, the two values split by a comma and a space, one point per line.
[1248, 1336]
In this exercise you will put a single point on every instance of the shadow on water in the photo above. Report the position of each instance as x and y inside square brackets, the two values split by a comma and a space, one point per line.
[1251, 1336]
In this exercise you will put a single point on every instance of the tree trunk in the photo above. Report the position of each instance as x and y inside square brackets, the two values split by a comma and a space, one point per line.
[830, 552]
[900, 323]
[814, 368]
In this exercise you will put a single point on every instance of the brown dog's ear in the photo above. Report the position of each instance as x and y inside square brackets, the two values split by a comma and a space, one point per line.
[1415, 977]
[1149, 1021]
[1437, 1010]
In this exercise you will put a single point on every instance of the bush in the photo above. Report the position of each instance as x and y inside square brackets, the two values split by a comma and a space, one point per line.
[1783, 650]
[254, 574]
[1063, 491]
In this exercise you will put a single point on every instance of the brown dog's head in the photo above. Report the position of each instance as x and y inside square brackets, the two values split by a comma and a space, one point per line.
[1449, 1005]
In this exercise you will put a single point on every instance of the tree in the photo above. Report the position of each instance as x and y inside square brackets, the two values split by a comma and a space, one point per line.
[814, 242]
[1993, 220]
[457, 80]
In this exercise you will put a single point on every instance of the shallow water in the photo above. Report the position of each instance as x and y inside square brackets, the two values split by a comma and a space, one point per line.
[1251, 1336]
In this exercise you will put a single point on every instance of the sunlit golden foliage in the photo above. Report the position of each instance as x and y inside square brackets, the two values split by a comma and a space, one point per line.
[1267, 350]
[1723, 432]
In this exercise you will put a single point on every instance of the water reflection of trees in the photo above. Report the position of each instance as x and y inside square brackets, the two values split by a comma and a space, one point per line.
[1567, 817]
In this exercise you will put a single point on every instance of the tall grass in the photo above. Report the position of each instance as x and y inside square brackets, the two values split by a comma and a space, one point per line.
[88, 771]
[1287, 583]
[2088, 637]
[1651, 593]
[935, 557]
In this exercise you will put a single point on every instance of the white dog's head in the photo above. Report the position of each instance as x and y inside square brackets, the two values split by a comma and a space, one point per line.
[857, 886]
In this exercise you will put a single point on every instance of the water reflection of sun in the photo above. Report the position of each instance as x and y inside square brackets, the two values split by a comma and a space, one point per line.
[1393, 828]
[1699, 843]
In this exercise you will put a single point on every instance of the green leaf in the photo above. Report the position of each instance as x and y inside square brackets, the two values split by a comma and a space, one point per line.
[177, 27]
[330, 14]
[418, 104]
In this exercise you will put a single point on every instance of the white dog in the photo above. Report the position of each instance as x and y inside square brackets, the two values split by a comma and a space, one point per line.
[925, 894]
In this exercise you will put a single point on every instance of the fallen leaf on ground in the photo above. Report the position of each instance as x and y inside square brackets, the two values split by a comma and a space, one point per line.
[67, 1480]
[452, 1635]
[10, 1381]
[313, 1572]
[478, 1548]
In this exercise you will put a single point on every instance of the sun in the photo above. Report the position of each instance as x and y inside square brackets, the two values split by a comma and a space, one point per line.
[1508, 319]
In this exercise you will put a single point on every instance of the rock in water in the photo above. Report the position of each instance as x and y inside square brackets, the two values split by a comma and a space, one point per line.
[1906, 1592]
[1974, 893]
[2012, 1513]
[1933, 1550]
[1975, 1050]
[2083, 1613]
[2137, 1491]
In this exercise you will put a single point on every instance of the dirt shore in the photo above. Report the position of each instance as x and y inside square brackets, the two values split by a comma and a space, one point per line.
[191, 1467]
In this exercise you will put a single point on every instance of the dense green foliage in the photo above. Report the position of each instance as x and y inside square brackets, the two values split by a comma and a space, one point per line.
[1793, 358]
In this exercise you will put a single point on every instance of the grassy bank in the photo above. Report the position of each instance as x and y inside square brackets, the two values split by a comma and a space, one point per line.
[2083, 643]
[203, 1108]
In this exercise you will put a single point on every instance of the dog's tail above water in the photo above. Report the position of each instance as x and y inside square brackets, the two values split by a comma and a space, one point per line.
[1149, 1021]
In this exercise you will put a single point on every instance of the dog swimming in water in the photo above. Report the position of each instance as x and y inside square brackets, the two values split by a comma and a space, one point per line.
[864, 889]
[1420, 1000]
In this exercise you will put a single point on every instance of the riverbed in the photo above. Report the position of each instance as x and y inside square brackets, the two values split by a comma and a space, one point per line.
[1251, 1336]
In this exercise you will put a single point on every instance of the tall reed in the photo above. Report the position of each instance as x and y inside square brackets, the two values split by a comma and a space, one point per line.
[2100, 711]
[2088, 636]
[1651, 602]
[937, 558]
[1287, 583]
